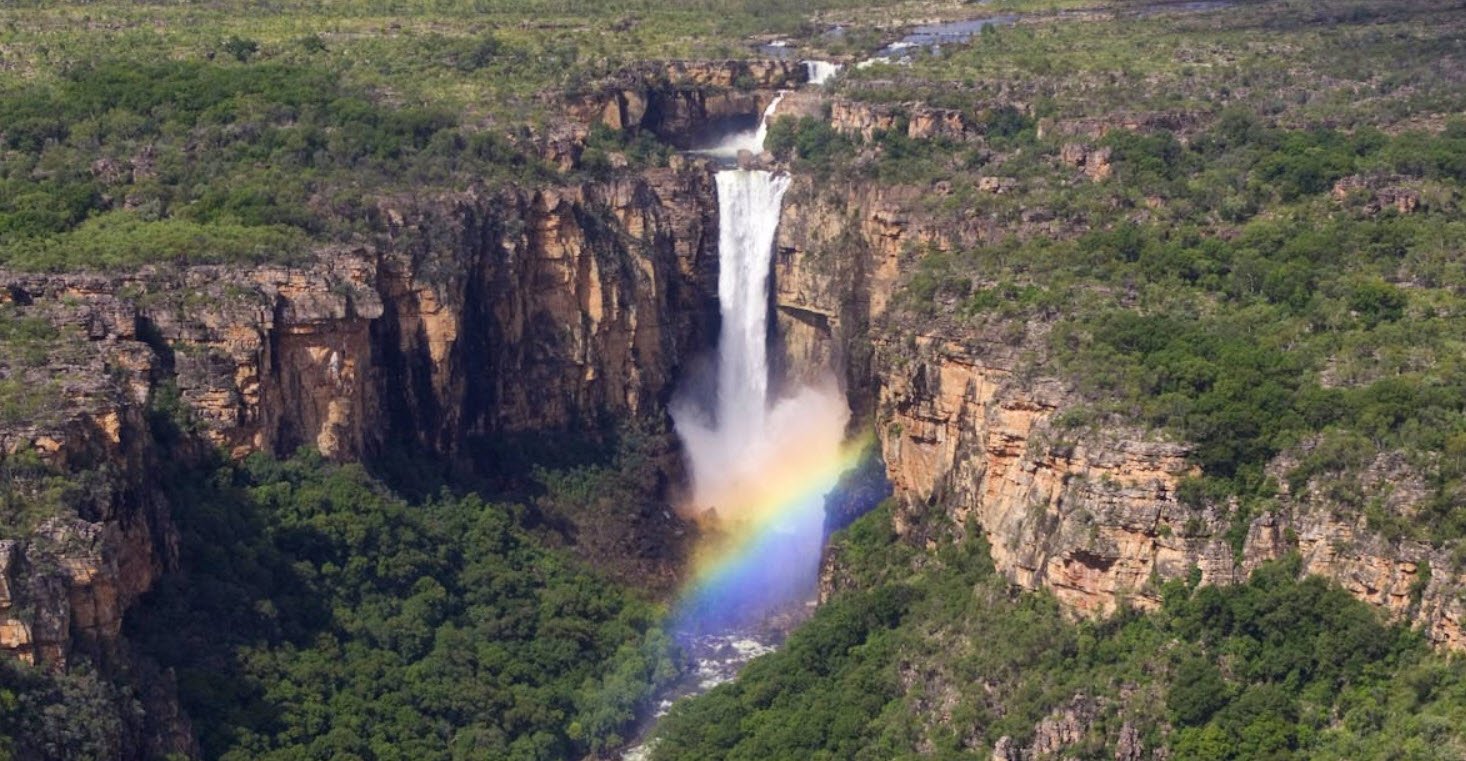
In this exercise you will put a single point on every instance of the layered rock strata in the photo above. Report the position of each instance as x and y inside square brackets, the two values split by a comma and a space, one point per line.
[472, 316]
[974, 439]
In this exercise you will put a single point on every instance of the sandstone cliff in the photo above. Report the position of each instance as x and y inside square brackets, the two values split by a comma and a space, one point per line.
[678, 101]
[469, 317]
[973, 437]
[1092, 514]
[474, 314]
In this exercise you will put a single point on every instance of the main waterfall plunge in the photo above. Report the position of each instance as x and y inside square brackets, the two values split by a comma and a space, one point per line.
[762, 459]
[761, 466]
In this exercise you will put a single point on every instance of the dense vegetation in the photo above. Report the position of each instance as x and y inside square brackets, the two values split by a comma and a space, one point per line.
[940, 659]
[123, 162]
[320, 616]
[77, 714]
[1269, 271]
[1256, 311]
[1244, 273]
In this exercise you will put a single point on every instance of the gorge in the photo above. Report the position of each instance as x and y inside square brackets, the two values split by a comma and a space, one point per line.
[972, 403]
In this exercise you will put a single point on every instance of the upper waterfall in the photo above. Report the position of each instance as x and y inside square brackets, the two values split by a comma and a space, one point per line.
[751, 140]
[821, 72]
[762, 133]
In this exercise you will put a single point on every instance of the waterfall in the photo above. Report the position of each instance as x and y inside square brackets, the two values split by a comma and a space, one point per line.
[724, 449]
[749, 202]
[820, 72]
[748, 205]
[762, 133]
[760, 466]
[751, 140]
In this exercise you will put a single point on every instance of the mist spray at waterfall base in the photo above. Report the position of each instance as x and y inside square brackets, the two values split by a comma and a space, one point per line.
[760, 466]
[762, 509]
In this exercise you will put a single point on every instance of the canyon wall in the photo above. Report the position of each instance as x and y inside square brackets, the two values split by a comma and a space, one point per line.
[470, 317]
[974, 438]
[1092, 513]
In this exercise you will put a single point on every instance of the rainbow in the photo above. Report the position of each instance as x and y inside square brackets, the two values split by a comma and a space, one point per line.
[762, 551]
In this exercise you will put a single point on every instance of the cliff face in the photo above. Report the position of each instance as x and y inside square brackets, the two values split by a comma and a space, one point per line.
[66, 585]
[679, 101]
[837, 262]
[471, 317]
[974, 440]
[79, 434]
[554, 309]
[525, 310]
[1093, 515]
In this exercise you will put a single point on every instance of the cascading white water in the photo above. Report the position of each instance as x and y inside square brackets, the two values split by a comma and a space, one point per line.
[748, 140]
[761, 465]
[749, 202]
[748, 205]
[762, 133]
[754, 460]
[821, 72]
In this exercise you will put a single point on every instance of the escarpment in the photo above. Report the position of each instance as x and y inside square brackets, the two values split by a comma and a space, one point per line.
[974, 437]
[468, 319]
[1094, 514]
[475, 314]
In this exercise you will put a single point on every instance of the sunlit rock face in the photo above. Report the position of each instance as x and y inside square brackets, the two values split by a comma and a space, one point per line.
[970, 435]
[472, 317]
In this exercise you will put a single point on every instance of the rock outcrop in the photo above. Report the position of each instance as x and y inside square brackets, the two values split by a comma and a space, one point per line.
[1371, 195]
[921, 121]
[65, 584]
[681, 102]
[1094, 161]
[1093, 514]
[1067, 726]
